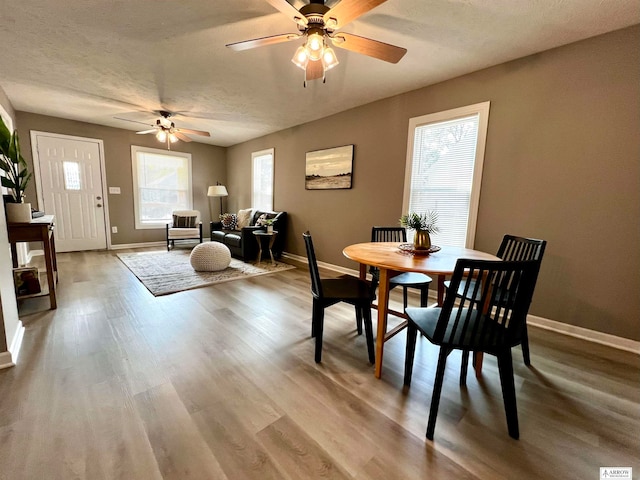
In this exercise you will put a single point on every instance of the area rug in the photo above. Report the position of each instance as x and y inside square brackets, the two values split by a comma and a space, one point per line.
[169, 272]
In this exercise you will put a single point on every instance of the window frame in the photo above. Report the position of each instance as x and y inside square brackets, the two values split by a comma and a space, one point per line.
[254, 157]
[135, 149]
[482, 110]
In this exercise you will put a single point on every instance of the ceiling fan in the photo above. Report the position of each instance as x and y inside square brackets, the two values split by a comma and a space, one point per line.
[318, 25]
[166, 131]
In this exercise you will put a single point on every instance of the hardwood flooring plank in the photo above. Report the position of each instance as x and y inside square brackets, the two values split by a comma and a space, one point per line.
[240, 455]
[298, 455]
[178, 446]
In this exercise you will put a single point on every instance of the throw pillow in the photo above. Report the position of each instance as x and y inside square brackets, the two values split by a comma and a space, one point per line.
[244, 217]
[229, 221]
[263, 218]
[184, 222]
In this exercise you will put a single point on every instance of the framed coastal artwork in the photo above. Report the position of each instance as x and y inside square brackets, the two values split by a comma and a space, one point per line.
[329, 169]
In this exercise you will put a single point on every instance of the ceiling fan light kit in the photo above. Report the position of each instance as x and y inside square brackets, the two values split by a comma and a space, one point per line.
[318, 23]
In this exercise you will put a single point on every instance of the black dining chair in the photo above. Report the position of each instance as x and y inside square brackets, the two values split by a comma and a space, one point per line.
[514, 248]
[405, 280]
[329, 291]
[489, 317]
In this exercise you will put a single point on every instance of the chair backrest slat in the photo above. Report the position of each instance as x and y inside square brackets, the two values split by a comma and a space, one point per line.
[521, 248]
[388, 234]
[316, 285]
[498, 315]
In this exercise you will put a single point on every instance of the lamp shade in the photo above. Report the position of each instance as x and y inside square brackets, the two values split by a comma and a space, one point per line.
[217, 191]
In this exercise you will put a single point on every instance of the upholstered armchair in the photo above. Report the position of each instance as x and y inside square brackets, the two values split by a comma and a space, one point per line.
[186, 225]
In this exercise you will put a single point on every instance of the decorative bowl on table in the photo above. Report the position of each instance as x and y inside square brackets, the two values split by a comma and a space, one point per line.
[410, 249]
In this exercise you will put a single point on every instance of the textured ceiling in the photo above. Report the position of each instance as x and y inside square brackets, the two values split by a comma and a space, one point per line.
[96, 59]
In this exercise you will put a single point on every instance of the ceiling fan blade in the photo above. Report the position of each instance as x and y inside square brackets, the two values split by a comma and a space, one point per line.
[153, 130]
[289, 10]
[348, 10]
[134, 121]
[314, 70]
[192, 132]
[261, 42]
[366, 46]
[182, 137]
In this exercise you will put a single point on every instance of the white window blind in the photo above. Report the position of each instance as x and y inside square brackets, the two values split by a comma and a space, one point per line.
[162, 184]
[445, 168]
[262, 179]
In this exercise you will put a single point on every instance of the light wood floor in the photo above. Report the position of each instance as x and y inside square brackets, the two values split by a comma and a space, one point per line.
[220, 383]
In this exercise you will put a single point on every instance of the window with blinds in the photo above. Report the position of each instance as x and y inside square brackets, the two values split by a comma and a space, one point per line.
[444, 170]
[161, 184]
[262, 179]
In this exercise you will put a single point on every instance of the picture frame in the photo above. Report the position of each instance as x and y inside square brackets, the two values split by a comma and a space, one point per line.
[329, 169]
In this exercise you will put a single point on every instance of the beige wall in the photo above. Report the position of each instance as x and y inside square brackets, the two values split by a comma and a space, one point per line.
[562, 164]
[208, 164]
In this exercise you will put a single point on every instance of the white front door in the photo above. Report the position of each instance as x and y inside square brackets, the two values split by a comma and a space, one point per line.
[71, 188]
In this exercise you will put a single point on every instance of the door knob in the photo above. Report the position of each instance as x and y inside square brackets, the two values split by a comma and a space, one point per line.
[99, 205]
[98, 198]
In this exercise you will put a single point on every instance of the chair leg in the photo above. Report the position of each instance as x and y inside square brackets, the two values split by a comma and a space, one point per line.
[437, 389]
[368, 332]
[314, 316]
[424, 296]
[317, 329]
[412, 333]
[464, 367]
[505, 367]
[525, 347]
[359, 319]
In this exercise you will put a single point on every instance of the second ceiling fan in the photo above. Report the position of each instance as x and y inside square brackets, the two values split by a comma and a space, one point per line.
[318, 25]
[166, 131]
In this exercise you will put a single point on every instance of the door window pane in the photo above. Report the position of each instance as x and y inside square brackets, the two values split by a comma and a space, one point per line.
[71, 172]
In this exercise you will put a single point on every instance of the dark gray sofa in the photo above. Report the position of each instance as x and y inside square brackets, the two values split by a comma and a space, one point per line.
[243, 244]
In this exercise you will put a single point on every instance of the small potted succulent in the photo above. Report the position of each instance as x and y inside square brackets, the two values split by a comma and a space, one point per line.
[15, 177]
[424, 224]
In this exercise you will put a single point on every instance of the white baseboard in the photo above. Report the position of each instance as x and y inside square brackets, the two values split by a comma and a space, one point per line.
[124, 246]
[10, 358]
[16, 343]
[586, 334]
[594, 336]
[34, 253]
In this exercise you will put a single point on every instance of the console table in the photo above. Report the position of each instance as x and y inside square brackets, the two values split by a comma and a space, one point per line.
[38, 230]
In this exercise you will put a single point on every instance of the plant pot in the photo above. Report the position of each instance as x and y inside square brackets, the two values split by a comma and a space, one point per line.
[422, 240]
[18, 212]
[269, 228]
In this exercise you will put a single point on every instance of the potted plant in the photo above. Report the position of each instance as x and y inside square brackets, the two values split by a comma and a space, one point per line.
[269, 225]
[424, 224]
[15, 177]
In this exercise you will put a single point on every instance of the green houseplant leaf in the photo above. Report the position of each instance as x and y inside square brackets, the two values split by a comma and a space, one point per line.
[16, 173]
[426, 222]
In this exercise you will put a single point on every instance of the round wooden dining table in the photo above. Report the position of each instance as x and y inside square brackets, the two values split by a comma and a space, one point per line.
[390, 260]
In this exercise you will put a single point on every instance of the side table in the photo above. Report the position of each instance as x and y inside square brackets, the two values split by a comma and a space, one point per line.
[260, 235]
[38, 230]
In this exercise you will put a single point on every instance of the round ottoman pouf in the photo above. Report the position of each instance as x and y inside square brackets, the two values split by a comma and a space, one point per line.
[210, 257]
